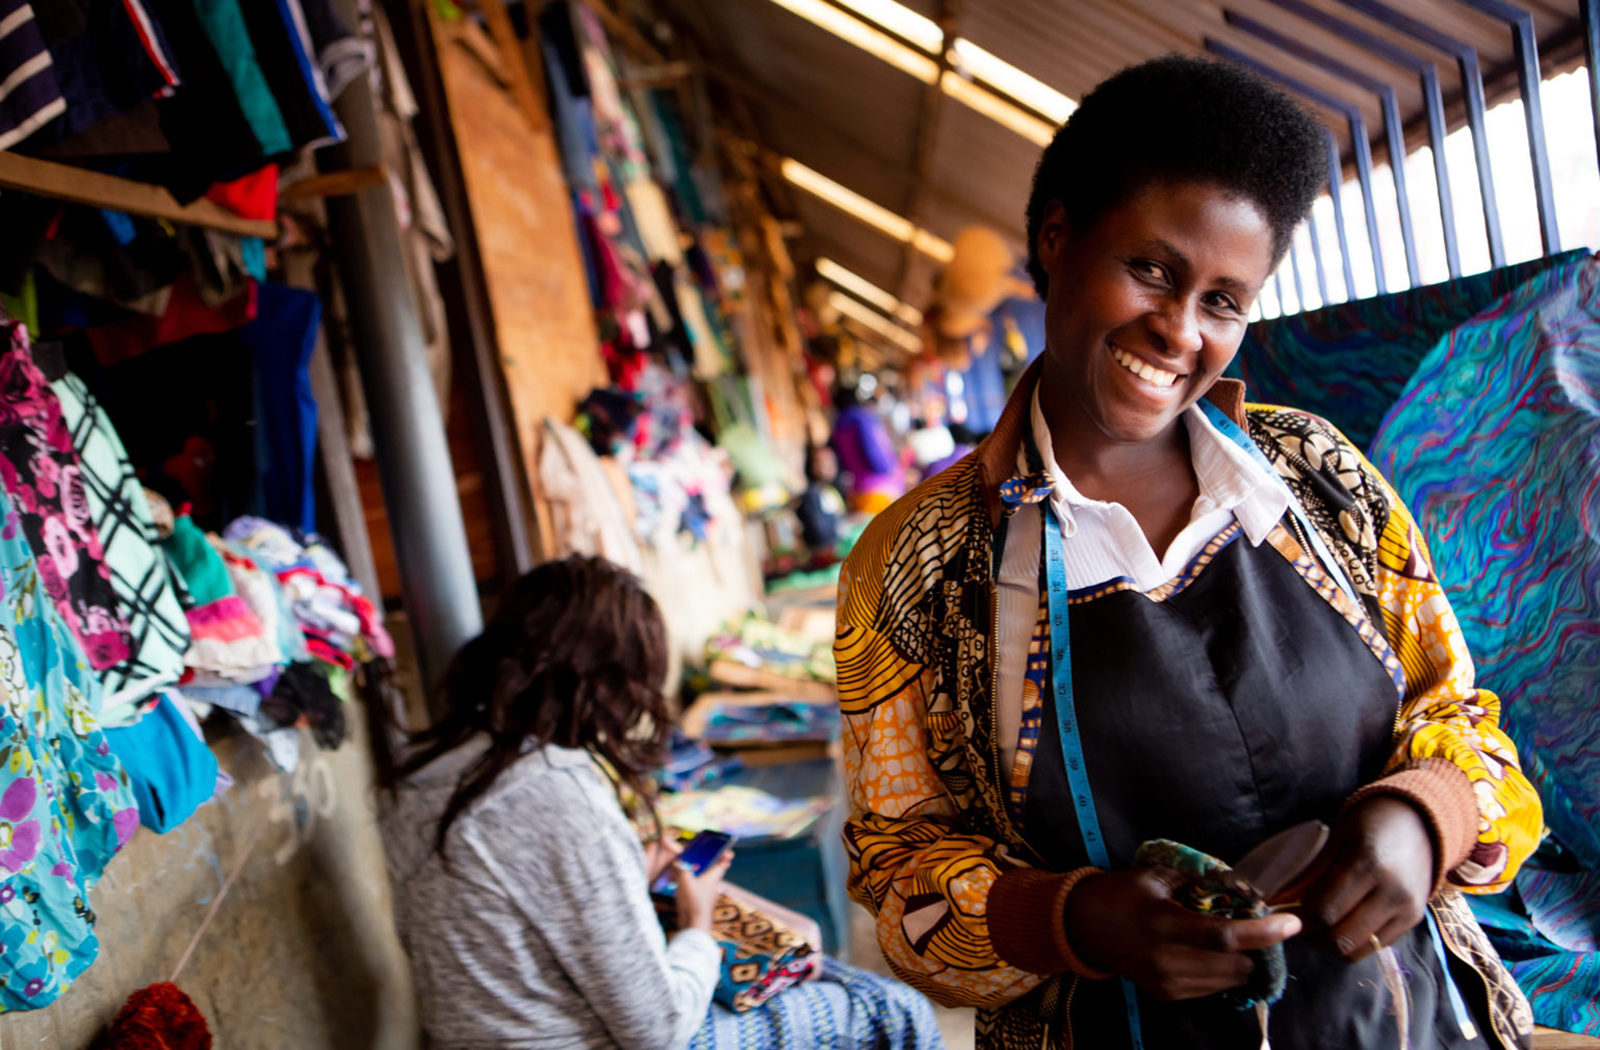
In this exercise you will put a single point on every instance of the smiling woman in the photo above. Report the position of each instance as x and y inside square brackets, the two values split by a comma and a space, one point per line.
[1142, 611]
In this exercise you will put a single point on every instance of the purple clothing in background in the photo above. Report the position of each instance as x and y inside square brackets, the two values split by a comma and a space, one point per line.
[861, 441]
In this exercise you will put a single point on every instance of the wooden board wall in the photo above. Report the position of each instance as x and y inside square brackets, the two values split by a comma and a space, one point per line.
[544, 323]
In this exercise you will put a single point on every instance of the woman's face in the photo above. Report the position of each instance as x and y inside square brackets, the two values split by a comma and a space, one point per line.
[1147, 307]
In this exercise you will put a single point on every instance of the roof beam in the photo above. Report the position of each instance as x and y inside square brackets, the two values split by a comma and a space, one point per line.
[927, 134]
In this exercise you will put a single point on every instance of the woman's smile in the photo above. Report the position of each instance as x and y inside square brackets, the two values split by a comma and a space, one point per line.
[1159, 378]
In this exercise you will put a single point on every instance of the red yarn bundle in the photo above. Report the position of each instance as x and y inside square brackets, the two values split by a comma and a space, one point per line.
[160, 1017]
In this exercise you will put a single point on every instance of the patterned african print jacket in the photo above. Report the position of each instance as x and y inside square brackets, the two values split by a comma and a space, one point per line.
[934, 853]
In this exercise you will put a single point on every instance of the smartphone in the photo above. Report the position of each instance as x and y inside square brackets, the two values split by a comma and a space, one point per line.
[702, 851]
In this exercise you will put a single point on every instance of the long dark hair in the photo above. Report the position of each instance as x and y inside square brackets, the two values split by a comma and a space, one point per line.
[574, 656]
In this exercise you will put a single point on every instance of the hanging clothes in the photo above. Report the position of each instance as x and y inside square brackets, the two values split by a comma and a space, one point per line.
[43, 480]
[113, 59]
[170, 769]
[158, 631]
[225, 27]
[281, 340]
[284, 50]
[341, 54]
[30, 96]
[66, 806]
[585, 514]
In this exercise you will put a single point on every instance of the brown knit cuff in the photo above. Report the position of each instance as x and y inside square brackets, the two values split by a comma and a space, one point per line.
[1443, 793]
[1027, 918]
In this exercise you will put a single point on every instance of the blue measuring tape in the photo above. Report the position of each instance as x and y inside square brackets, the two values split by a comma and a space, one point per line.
[1234, 433]
[1067, 726]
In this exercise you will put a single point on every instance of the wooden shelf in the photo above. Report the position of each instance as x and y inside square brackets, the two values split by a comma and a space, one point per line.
[81, 186]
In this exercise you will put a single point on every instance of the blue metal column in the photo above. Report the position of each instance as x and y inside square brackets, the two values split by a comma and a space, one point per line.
[1472, 94]
[1336, 191]
[1528, 79]
[1316, 259]
[1394, 129]
[1431, 95]
[1299, 286]
[1591, 41]
[1361, 147]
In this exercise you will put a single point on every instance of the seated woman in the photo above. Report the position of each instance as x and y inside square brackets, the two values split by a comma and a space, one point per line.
[1142, 610]
[519, 883]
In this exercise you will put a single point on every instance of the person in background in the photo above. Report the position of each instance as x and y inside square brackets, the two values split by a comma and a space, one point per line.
[1142, 610]
[866, 454]
[821, 507]
[520, 885]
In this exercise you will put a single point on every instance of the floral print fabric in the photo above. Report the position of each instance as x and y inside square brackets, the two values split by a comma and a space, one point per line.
[44, 483]
[65, 802]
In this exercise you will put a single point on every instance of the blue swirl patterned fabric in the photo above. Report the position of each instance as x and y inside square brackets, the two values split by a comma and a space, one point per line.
[65, 803]
[1495, 445]
[1348, 363]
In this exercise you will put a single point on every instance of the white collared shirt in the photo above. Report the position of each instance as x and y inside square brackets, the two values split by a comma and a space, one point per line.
[1103, 542]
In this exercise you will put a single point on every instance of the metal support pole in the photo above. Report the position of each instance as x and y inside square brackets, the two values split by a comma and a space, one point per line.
[1299, 285]
[1358, 136]
[430, 538]
[1363, 152]
[1336, 191]
[1472, 94]
[1392, 126]
[1526, 43]
[1432, 98]
[1591, 43]
[1316, 260]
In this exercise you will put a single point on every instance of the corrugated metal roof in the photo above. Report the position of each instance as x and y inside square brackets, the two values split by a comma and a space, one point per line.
[855, 118]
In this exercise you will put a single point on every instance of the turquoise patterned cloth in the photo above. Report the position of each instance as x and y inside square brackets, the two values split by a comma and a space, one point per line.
[847, 1009]
[1348, 363]
[1495, 446]
[65, 803]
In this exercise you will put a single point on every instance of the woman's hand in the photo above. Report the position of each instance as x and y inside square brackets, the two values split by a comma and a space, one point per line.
[1375, 876]
[1126, 922]
[697, 894]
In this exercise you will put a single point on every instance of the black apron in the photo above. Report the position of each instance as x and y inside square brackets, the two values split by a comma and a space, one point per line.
[1242, 704]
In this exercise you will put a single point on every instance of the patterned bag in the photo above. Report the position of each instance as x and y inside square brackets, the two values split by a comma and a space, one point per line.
[761, 955]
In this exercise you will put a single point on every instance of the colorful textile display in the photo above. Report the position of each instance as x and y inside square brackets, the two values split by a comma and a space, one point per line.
[1348, 363]
[65, 802]
[340, 624]
[761, 956]
[1563, 985]
[754, 641]
[229, 639]
[158, 631]
[848, 1009]
[1495, 444]
[45, 491]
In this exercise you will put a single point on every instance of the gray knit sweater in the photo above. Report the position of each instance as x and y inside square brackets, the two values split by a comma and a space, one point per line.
[540, 933]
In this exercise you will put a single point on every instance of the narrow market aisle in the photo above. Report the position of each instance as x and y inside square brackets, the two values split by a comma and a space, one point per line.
[954, 1022]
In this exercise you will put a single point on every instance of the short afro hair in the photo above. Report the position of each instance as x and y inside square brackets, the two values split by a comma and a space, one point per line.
[1185, 119]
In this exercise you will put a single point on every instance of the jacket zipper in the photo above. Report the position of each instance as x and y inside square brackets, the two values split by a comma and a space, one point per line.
[1068, 1040]
[1479, 989]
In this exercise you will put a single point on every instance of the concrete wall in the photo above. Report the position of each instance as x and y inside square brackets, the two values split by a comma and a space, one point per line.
[302, 951]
